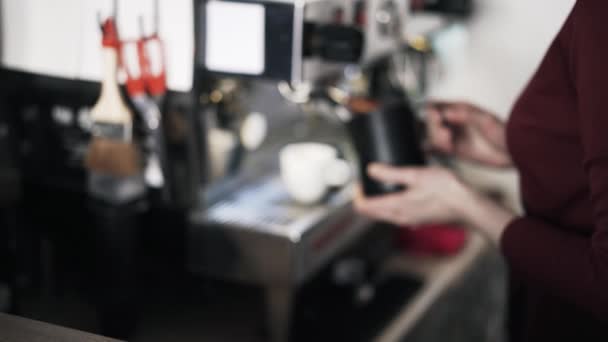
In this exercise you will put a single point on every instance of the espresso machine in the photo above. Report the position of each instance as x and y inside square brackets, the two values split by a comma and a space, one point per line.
[309, 58]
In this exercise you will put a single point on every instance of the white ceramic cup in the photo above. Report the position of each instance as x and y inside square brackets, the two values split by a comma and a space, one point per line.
[309, 170]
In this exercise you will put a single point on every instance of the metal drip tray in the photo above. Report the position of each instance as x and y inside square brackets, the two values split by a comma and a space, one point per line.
[265, 206]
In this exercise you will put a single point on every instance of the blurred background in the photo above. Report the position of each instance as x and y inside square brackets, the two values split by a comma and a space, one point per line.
[183, 169]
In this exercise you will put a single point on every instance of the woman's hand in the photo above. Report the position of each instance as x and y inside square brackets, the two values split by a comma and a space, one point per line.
[433, 195]
[465, 131]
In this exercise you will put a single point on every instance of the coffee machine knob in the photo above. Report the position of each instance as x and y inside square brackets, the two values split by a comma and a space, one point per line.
[387, 19]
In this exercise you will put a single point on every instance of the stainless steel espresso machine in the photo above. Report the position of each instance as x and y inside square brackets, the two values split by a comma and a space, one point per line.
[301, 57]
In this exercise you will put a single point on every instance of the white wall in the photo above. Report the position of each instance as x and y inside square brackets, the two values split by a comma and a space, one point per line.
[503, 45]
[62, 37]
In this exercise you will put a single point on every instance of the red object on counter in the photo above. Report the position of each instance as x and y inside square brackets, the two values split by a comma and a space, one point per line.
[436, 239]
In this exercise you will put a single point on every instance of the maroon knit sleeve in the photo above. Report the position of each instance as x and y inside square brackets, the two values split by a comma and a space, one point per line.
[570, 266]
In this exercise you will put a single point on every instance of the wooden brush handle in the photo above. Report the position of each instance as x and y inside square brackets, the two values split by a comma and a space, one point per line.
[110, 107]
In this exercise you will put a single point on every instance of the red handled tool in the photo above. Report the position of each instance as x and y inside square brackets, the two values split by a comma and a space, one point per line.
[147, 86]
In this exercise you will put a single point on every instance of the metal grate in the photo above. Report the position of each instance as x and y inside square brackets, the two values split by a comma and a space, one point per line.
[264, 203]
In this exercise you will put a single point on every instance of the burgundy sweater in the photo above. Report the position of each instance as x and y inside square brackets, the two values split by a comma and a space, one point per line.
[558, 138]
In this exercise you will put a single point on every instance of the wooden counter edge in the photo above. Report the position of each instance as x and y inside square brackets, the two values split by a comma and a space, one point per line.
[438, 275]
[19, 329]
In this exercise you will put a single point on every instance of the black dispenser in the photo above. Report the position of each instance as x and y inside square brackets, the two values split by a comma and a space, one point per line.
[385, 134]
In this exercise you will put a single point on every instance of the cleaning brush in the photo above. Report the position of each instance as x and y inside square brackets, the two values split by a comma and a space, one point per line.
[112, 151]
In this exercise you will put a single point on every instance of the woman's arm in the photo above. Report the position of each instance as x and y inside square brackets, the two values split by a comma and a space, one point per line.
[485, 215]
[433, 195]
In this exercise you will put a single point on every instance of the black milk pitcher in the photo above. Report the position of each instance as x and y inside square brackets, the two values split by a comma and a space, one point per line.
[384, 133]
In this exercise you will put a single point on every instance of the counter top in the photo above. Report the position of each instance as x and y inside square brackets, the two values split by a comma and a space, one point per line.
[232, 313]
[17, 329]
[438, 274]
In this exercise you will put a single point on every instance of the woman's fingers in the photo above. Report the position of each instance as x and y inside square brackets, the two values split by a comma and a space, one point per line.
[432, 195]
[393, 175]
[493, 130]
[388, 208]
[359, 199]
[440, 135]
[457, 115]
